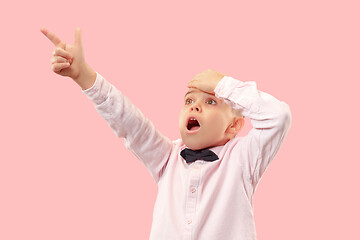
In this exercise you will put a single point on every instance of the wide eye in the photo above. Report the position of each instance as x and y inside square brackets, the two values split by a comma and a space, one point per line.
[188, 101]
[211, 101]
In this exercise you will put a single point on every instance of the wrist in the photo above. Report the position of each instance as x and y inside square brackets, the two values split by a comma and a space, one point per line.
[86, 77]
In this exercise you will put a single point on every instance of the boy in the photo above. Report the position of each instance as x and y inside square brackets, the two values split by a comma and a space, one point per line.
[207, 179]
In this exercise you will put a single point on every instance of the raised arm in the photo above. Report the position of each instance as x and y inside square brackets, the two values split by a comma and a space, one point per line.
[127, 121]
[122, 116]
[271, 120]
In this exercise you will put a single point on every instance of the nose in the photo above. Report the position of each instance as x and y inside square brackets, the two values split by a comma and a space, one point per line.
[196, 107]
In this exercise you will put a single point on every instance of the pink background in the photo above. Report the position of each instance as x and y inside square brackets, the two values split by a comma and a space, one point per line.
[65, 175]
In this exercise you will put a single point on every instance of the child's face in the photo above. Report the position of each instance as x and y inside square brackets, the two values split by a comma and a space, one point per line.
[204, 120]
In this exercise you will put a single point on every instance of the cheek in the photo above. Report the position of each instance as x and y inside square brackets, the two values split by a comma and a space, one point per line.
[217, 123]
[181, 118]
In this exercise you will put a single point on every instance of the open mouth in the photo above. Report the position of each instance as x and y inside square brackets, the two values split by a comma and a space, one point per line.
[193, 124]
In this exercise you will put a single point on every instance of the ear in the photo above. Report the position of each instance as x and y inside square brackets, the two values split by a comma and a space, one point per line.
[235, 127]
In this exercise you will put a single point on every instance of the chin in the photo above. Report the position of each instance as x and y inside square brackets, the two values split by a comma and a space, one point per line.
[199, 140]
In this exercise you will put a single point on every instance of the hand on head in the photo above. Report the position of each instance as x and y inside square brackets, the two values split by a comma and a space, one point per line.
[206, 81]
[68, 60]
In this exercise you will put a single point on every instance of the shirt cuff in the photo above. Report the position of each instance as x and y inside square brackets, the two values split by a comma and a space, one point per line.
[238, 94]
[98, 92]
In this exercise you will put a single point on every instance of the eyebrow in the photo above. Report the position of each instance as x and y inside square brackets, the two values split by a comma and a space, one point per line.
[188, 93]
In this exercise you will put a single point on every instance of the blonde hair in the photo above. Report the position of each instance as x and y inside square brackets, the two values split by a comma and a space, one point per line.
[237, 112]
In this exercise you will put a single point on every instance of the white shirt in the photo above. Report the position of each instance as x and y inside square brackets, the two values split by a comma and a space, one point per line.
[201, 200]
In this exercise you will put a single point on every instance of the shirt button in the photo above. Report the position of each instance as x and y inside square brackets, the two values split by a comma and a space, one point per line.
[193, 190]
[188, 221]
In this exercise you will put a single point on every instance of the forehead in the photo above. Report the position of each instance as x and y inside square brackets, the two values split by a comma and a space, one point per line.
[194, 91]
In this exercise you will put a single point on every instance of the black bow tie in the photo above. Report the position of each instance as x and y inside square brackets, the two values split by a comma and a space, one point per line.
[193, 155]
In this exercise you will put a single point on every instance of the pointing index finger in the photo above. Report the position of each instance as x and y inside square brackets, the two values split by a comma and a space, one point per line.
[53, 38]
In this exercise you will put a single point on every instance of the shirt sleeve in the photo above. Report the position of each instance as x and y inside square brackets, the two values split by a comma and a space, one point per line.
[128, 122]
[270, 118]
